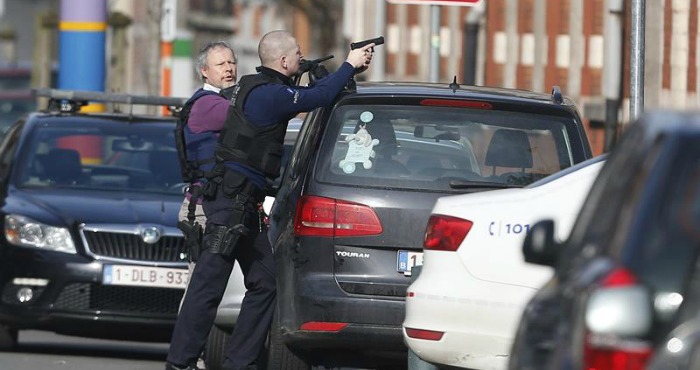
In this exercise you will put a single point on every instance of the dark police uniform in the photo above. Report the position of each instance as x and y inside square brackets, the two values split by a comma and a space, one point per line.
[250, 148]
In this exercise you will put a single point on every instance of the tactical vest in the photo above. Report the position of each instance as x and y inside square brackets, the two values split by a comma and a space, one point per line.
[195, 151]
[241, 141]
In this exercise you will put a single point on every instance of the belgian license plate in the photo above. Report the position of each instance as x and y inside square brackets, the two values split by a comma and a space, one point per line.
[406, 260]
[157, 277]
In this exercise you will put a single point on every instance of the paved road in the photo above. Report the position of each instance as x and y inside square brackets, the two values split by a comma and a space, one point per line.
[47, 351]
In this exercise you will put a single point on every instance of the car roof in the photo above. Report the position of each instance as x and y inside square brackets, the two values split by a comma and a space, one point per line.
[105, 116]
[463, 91]
[670, 121]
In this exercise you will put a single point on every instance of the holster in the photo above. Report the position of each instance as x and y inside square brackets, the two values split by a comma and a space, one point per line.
[193, 233]
[222, 239]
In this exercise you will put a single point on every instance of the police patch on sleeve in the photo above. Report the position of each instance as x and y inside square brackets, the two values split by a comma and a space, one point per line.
[296, 94]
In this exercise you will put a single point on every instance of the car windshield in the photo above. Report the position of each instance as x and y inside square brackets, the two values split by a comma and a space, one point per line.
[442, 148]
[11, 109]
[100, 154]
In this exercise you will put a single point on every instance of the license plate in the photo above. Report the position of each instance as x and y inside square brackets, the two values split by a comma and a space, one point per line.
[406, 260]
[157, 277]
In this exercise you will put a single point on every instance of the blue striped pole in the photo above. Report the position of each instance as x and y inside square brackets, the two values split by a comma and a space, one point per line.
[82, 45]
[81, 56]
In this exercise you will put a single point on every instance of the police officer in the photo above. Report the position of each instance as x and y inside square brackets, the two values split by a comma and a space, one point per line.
[250, 148]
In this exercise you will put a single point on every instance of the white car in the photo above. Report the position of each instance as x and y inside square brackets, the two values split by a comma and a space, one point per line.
[463, 308]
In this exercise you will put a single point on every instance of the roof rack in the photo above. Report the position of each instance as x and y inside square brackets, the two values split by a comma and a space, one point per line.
[454, 85]
[70, 101]
[557, 98]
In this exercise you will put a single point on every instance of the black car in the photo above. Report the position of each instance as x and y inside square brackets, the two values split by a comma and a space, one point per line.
[680, 350]
[348, 220]
[630, 261]
[89, 210]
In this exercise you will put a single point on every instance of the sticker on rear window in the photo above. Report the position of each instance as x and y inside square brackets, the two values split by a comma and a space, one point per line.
[366, 117]
[360, 149]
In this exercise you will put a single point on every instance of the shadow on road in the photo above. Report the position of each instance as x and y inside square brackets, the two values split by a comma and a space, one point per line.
[49, 343]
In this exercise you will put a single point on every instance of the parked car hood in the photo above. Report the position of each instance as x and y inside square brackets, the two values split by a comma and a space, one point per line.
[61, 206]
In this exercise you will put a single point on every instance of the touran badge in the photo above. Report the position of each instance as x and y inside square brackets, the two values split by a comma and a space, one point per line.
[150, 234]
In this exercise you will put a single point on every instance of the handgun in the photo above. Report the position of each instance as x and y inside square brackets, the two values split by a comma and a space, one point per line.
[376, 41]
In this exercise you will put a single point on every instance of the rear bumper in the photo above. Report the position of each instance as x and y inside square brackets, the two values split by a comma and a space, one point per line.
[478, 318]
[372, 334]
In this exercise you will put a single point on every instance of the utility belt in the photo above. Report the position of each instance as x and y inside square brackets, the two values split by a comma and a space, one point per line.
[246, 216]
[235, 185]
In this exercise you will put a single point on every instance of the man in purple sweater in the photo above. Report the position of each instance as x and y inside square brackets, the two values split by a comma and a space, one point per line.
[206, 112]
[203, 116]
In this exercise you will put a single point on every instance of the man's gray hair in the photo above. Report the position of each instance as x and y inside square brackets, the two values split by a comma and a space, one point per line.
[201, 60]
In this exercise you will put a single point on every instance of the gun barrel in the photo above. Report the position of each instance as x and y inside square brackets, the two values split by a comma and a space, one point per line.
[319, 60]
[376, 41]
[307, 65]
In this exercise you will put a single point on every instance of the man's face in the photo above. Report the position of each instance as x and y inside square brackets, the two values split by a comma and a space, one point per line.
[221, 70]
[292, 59]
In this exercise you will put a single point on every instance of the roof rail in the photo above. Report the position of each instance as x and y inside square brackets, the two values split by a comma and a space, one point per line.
[454, 85]
[557, 98]
[72, 100]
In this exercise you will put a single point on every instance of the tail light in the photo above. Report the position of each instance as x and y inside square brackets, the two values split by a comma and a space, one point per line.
[628, 356]
[457, 103]
[323, 326]
[424, 334]
[317, 216]
[611, 350]
[445, 233]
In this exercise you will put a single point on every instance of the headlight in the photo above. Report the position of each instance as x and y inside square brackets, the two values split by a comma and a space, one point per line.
[26, 232]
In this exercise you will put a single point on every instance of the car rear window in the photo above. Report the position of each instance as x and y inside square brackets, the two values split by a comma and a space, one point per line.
[101, 155]
[437, 148]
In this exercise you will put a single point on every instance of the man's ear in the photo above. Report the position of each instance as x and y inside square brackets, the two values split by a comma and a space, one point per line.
[283, 62]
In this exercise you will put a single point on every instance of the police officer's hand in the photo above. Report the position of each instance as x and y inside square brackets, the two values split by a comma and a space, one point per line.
[360, 58]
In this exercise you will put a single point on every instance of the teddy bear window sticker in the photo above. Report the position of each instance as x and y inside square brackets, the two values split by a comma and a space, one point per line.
[360, 146]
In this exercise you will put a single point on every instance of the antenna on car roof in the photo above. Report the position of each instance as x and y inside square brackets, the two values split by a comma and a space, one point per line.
[454, 85]
[72, 100]
[556, 95]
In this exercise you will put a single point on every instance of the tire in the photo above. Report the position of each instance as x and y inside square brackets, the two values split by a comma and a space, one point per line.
[279, 356]
[8, 338]
[215, 350]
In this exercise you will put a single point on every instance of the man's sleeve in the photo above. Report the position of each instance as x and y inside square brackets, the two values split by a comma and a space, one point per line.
[268, 104]
[322, 93]
[208, 114]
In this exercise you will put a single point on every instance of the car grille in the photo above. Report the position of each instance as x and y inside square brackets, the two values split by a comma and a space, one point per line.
[119, 299]
[132, 247]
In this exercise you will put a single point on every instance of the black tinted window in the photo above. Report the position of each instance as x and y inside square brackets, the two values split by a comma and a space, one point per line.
[426, 147]
[99, 154]
[666, 236]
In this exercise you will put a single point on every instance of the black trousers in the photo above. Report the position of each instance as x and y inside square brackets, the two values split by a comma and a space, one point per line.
[206, 289]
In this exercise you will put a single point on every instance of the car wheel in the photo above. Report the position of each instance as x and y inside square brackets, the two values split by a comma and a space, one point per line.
[279, 356]
[8, 338]
[215, 350]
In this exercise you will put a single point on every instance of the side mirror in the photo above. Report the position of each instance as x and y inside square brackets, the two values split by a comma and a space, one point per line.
[539, 246]
[620, 311]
